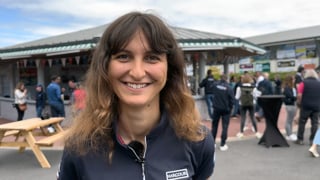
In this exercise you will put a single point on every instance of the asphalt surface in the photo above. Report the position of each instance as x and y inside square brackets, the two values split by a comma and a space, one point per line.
[245, 160]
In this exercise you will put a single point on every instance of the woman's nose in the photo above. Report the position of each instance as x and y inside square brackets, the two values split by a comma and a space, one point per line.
[137, 70]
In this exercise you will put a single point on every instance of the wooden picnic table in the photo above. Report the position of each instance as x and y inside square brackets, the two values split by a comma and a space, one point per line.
[29, 129]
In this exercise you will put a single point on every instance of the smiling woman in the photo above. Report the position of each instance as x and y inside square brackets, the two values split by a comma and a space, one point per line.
[137, 74]
[137, 103]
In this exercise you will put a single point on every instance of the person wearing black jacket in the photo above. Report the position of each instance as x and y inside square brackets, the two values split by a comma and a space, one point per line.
[222, 104]
[299, 76]
[41, 98]
[207, 83]
[290, 96]
[235, 109]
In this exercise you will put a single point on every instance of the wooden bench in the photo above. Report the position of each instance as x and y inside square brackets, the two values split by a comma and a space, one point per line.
[48, 141]
[10, 133]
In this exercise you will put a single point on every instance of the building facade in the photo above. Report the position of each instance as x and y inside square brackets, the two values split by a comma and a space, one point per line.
[286, 50]
[69, 56]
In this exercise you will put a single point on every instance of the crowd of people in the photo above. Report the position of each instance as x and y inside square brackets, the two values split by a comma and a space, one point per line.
[300, 98]
[49, 101]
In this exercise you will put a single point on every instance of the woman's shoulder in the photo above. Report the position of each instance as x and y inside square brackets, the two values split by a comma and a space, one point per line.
[206, 142]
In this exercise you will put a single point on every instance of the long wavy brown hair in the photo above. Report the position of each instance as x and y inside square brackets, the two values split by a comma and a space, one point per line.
[288, 81]
[94, 123]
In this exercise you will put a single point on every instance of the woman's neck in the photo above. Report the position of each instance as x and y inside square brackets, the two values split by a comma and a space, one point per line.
[135, 124]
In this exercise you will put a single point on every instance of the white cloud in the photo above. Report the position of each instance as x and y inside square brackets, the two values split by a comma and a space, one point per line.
[230, 17]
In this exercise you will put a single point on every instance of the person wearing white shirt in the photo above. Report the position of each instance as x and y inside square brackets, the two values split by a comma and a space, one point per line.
[20, 99]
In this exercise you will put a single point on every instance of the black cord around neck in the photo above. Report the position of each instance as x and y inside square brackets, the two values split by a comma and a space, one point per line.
[138, 150]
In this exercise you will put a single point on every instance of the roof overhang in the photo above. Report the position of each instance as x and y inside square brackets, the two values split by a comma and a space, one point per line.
[235, 47]
[230, 47]
[45, 51]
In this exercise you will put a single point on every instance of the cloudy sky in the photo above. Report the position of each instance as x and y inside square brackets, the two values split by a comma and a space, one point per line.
[27, 20]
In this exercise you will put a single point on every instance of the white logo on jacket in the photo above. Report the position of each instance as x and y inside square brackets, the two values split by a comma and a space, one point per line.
[221, 87]
[177, 174]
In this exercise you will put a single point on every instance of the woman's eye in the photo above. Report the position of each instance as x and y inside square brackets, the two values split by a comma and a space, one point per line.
[122, 57]
[152, 58]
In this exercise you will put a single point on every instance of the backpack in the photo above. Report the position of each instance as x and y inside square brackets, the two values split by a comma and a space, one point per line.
[246, 98]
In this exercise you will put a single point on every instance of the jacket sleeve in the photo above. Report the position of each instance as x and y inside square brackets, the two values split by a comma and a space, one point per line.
[205, 157]
[203, 83]
[231, 98]
[238, 93]
[44, 99]
[67, 169]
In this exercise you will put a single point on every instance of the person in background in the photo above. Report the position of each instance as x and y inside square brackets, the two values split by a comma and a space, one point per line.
[137, 103]
[78, 98]
[20, 99]
[315, 143]
[41, 97]
[258, 110]
[68, 91]
[232, 82]
[299, 76]
[277, 82]
[298, 79]
[265, 87]
[235, 109]
[309, 99]
[207, 83]
[55, 99]
[290, 96]
[222, 104]
[245, 95]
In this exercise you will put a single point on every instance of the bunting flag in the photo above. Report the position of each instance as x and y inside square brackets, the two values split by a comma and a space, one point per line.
[37, 62]
[25, 61]
[43, 62]
[196, 56]
[188, 56]
[50, 62]
[70, 60]
[204, 55]
[77, 60]
[63, 61]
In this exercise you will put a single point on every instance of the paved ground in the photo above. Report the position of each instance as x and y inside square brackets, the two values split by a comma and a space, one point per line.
[245, 160]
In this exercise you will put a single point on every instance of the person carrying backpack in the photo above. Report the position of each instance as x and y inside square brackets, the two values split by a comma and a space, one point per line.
[245, 94]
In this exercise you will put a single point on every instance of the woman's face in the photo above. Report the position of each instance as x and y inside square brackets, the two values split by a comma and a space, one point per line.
[137, 73]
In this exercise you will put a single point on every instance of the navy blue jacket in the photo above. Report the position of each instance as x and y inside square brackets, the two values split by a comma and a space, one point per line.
[166, 157]
[41, 99]
[207, 83]
[289, 98]
[265, 87]
[223, 96]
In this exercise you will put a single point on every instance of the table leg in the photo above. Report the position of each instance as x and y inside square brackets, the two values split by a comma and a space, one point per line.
[22, 148]
[57, 127]
[1, 136]
[36, 150]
